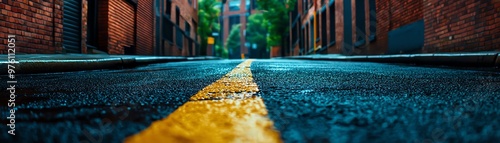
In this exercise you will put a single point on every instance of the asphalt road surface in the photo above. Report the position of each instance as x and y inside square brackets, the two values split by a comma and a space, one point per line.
[307, 101]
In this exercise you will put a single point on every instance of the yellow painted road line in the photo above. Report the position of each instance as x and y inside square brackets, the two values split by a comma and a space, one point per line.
[225, 111]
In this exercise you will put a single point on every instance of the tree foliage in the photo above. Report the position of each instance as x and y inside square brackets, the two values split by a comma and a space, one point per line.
[257, 30]
[221, 52]
[208, 15]
[257, 34]
[233, 41]
[276, 13]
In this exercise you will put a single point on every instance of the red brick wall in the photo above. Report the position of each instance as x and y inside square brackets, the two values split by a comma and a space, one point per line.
[243, 23]
[404, 12]
[339, 24]
[121, 26]
[85, 6]
[188, 13]
[461, 25]
[145, 27]
[333, 48]
[275, 51]
[392, 14]
[36, 24]
[450, 25]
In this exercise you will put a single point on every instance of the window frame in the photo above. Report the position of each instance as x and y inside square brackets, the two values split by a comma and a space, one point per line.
[230, 7]
[316, 31]
[332, 25]
[168, 8]
[177, 15]
[187, 28]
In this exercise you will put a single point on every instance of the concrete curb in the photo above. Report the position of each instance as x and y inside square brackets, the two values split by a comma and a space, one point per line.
[30, 66]
[45, 66]
[489, 59]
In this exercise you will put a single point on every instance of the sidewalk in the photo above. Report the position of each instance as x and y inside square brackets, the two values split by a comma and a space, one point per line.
[46, 63]
[480, 59]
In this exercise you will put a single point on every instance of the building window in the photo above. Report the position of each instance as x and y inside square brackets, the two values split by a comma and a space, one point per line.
[316, 31]
[300, 33]
[168, 8]
[294, 34]
[190, 2]
[179, 38]
[332, 23]
[373, 20]
[295, 12]
[177, 15]
[247, 6]
[168, 26]
[188, 29]
[306, 36]
[360, 23]
[253, 4]
[311, 31]
[304, 6]
[234, 5]
[195, 29]
[324, 41]
[233, 20]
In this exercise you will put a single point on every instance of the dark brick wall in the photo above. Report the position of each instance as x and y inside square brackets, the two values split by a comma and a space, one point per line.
[392, 14]
[85, 6]
[121, 26]
[188, 13]
[450, 25]
[116, 26]
[37, 25]
[103, 26]
[145, 27]
[339, 24]
[404, 12]
[461, 25]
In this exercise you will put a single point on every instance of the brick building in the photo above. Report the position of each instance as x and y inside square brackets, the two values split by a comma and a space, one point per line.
[392, 26]
[237, 12]
[38, 25]
[175, 26]
[87, 26]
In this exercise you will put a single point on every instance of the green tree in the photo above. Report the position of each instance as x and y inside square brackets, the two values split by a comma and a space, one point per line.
[208, 15]
[257, 29]
[221, 52]
[256, 33]
[276, 13]
[233, 41]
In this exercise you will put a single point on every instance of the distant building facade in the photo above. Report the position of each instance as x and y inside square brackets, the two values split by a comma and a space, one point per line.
[392, 26]
[176, 27]
[111, 26]
[237, 12]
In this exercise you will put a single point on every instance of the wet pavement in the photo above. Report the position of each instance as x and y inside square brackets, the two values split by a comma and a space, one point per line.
[308, 101]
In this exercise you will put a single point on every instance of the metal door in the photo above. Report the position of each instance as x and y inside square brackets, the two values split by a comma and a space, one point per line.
[72, 28]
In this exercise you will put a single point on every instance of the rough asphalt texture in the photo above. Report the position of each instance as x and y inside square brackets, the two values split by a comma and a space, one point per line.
[309, 101]
[104, 106]
[372, 102]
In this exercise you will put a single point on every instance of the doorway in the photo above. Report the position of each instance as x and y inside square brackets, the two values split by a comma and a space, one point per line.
[72, 26]
[92, 26]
